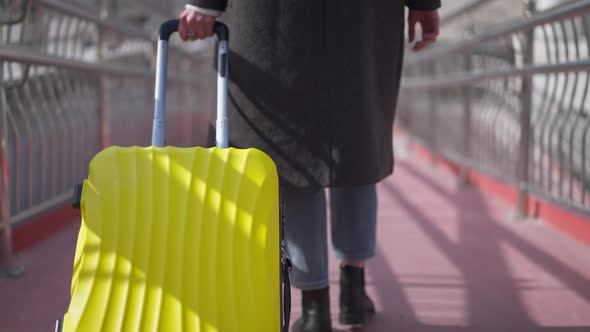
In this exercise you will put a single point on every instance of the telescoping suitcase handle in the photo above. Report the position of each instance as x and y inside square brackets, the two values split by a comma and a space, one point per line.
[166, 30]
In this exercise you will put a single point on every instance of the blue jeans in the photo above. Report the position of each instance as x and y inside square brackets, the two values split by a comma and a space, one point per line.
[353, 229]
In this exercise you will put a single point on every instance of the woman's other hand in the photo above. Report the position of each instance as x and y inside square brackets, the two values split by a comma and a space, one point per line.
[430, 23]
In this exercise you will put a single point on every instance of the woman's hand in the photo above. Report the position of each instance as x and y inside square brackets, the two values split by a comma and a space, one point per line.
[429, 21]
[194, 25]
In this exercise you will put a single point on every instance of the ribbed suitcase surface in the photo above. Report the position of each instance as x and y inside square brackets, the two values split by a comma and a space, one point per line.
[178, 239]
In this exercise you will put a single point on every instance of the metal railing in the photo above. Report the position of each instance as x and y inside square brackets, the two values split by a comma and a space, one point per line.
[511, 101]
[73, 81]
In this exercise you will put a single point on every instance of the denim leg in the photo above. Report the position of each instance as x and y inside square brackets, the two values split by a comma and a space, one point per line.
[306, 237]
[354, 221]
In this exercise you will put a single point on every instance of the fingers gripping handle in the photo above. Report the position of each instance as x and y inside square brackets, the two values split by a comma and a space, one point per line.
[166, 30]
[169, 27]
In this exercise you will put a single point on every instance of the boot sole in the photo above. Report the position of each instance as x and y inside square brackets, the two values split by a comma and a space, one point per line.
[355, 319]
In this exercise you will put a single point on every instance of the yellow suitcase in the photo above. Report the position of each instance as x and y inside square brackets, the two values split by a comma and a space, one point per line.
[180, 239]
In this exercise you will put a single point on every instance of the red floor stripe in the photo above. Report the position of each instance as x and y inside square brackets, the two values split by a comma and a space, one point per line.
[567, 221]
[24, 236]
[575, 225]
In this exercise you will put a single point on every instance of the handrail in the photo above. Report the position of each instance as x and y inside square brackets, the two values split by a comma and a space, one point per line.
[79, 98]
[29, 56]
[109, 24]
[462, 10]
[521, 118]
[549, 16]
[26, 5]
[416, 83]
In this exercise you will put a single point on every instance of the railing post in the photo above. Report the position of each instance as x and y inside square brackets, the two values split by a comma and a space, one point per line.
[105, 130]
[432, 118]
[522, 205]
[185, 111]
[6, 238]
[466, 94]
[8, 267]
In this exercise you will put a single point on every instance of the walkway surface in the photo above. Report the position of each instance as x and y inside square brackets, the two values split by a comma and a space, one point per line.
[448, 260]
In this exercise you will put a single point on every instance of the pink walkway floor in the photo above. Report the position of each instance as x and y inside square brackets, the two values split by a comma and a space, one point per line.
[448, 260]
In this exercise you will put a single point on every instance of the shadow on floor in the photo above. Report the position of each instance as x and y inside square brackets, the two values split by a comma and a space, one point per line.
[493, 299]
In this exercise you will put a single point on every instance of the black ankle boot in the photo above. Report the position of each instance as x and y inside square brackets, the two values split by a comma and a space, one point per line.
[356, 308]
[315, 311]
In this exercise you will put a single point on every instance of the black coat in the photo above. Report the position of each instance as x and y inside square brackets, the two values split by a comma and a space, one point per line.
[314, 84]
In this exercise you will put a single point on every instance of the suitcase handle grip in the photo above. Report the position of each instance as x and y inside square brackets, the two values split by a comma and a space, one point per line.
[169, 27]
[166, 30]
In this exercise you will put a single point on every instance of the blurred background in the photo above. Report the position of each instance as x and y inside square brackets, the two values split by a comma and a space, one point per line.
[501, 101]
[77, 76]
[507, 95]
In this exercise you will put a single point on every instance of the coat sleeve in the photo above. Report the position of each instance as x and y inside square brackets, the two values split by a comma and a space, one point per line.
[218, 5]
[423, 4]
